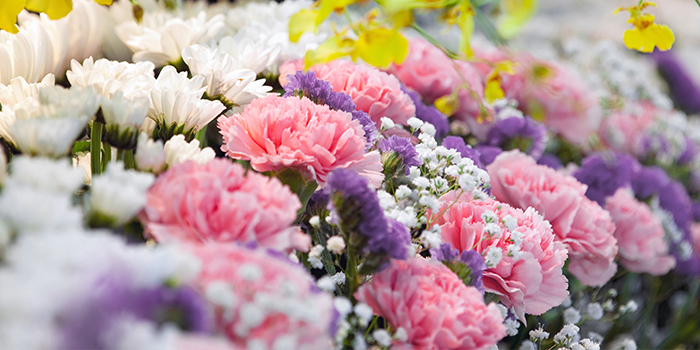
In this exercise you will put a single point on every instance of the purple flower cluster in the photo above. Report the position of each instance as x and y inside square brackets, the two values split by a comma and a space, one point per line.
[457, 143]
[515, 132]
[429, 114]
[682, 86]
[321, 92]
[469, 258]
[357, 207]
[605, 172]
[113, 298]
[403, 147]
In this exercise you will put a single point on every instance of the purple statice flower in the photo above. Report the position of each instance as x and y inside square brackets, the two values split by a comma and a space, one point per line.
[429, 114]
[648, 181]
[696, 211]
[357, 207]
[516, 132]
[403, 147]
[468, 258]
[488, 153]
[689, 152]
[113, 298]
[551, 161]
[605, 172]
[321, 92]
[457, 143]
[674, 199]
[683, 88]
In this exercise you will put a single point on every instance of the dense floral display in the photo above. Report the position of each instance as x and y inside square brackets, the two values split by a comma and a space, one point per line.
[343, 175]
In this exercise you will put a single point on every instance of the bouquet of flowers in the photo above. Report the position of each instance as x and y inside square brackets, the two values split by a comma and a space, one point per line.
[342, 175]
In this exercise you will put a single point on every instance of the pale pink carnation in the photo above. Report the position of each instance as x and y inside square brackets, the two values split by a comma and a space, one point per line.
[432, 74]
[218, 202]
[584, 227]
[534, 282]
[276, 133]
[553, 94]
[592, 244]
[258, 296]
[639, 234]
[373, 91]
[435, 308]
[622, 131]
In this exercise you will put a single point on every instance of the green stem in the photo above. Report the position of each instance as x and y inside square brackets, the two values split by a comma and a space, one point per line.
[351, 273]
[697, 2]
[433, 41]
[129, 162]
[326, 257]
[120, 154]
[107, 155]
[96, 148]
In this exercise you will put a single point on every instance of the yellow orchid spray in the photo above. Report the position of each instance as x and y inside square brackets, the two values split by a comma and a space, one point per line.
[55, 9]
[646, 35]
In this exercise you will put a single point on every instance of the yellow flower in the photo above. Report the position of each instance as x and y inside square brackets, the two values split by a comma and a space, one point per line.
[381, 46]
[514, 15]
[335, 47]
[493, 90]
[55, 9]
[646, 34]
[302, 22]
[9, 9]
[448, 104]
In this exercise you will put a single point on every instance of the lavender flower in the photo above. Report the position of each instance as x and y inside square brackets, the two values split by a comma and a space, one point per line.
[403, 148]
[457, 144]
[605, 172]
[551, 161]
[648, 181]
[488, 153]
[113, 298]
[689, 152]
[683, 88]
[458, 262]
[357, 207]
[321, 92]
[429, 114]
[516, 132]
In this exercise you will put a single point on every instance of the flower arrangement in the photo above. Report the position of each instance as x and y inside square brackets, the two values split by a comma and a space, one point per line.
[343, 175]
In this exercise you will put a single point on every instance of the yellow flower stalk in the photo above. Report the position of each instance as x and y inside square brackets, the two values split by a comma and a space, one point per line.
[646, 35]
[515, 14]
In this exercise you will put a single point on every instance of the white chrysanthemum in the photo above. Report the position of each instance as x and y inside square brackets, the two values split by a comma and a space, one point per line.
[160, 38]
[177, 151]
[45, 175]
[28, 54]
[150, 155]
[224, 78]
[123, 117]
[118, 194]
[49, 127]
[19, 90]
[250, 51]
[108, 77]
[176, 102]
[32, 210]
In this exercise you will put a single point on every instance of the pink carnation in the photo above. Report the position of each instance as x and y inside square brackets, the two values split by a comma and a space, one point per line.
[257, 296]
[430, 73]
[435, 308]
[552, 93]
[276, 133]
[640, 235]
[218, 202]
[531, 283]
[622, 131]
[373, 91]
[584, 227]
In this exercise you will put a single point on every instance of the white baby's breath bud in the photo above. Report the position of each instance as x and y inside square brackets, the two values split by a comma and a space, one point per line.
[489, 216]
[467, 182]
[589, 344]
[566, 335]
[414, 123]
[431, 239]
[538, 334]
[527, 345]
[572, 315]
[401, 335]
[293, 257]
[493, 256]
[326, 284]
[387, 123]
[316, 263]
[428, 129]
[316, 251]
[511, 224]
[566, 302]
[250, 272]
[403, 192]
[493, 230]
[343, 306]
[421, 182]
[359, 342]
[336, 244]
[595, 311]
[386, 200]
[315, 221]
[685, 250]
[512, 326]
[338, 278]
[382, 337]
[514, 251]
[364, 313]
